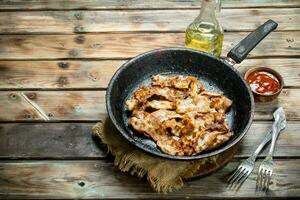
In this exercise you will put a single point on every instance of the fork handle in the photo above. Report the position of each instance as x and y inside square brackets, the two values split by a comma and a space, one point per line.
[266, 139]
[276, 131]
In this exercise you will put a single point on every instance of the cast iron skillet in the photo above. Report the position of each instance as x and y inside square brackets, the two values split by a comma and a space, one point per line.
[217, 74]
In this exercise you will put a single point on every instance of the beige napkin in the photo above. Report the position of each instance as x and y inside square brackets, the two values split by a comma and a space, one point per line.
[164, 175]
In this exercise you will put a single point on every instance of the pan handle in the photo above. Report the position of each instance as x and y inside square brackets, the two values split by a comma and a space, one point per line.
[242, 49]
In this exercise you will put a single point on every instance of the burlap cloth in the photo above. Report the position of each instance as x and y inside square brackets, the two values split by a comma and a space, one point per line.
[164, 175]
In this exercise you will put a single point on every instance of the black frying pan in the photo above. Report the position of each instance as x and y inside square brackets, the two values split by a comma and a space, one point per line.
[217, 74]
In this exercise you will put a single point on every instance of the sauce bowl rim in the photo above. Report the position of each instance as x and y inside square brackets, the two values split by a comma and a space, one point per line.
[269, 70]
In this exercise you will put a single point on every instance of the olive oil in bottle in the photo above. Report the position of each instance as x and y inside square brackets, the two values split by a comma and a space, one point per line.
[205, 32]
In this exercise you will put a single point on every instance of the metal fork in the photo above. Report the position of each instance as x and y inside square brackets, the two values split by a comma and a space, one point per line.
[266, 167]
[246, 166]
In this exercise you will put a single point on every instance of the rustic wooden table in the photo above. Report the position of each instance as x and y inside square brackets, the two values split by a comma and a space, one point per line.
[57, 57]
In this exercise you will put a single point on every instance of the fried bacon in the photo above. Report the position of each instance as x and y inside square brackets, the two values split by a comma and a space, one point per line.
[199, 103]
[163, 115]
[160, 104]
[179, 115]
[179, 82]
[221, 104]
[174, 127]
[145, 92]
[147, 124]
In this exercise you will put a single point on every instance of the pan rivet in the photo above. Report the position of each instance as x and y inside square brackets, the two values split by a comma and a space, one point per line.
[241, 49]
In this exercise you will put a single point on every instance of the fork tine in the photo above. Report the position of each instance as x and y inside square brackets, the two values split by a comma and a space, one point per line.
[236, 171]
[259, 179]
[264, 178]
[237, 176]
[268, 177]
[269, 173]
[269, 180]
[241, 176]
[257, 183]
[265, 189]
[241, 180]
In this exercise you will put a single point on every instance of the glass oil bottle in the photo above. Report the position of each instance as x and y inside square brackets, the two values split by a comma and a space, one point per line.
[205, 32]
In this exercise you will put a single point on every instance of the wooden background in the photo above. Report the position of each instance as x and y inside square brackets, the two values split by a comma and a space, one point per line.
[58, 57]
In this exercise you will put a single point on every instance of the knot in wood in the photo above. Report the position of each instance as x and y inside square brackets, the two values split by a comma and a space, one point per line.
[80, 39]
[74, 52]
[62, 81]
[27, 116]
[81, 184]
[78, 29]
[63, 65]
[78, 15]
[77, 108]
[13, 96]
[31, 95]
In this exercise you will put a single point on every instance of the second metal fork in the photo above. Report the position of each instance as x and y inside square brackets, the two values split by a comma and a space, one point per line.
[246, 166]
[265, 170]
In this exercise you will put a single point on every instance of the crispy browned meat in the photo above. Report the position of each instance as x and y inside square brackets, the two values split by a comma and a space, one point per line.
[198, 103]
[179, 115]
[163, 115]
[145, 92]
[180, 82]
[173, 126]
[221, 104]
[148, 124]
[218, 101]
[160, 104]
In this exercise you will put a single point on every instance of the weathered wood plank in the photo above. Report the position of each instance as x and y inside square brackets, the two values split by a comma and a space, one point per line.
[65, 22]
[285, 146]
[96, 74]
[288, 99]
[105, 46]
[49, 74]
[138, 4]
[76, 140]
[72, 105]
[50, 141]
[90, 105]
[97, 179]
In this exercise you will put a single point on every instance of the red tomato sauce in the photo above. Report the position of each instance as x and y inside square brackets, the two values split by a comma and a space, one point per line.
[263, 82]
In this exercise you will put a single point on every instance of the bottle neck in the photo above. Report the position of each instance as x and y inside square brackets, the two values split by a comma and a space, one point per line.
[208, 10]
